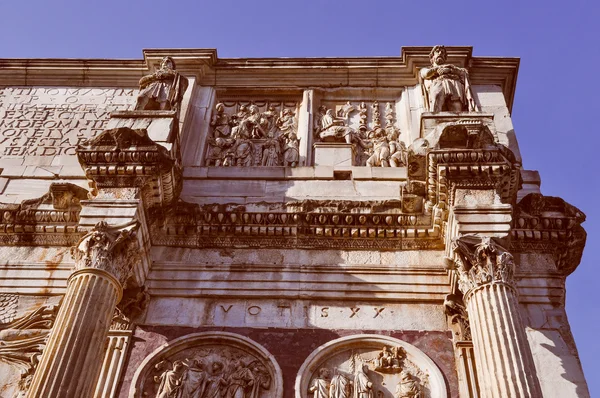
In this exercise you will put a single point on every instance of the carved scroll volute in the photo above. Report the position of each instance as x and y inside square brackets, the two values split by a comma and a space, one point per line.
[480, 261]
[108, 248]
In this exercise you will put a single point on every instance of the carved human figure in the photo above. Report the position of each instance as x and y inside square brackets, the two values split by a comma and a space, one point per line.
[407, 387]
[363, 386]
[334, 129]
[270, 116]
[215, 382]
[447, 86]
[286, 122]
[318, 122]
[162, 90]
[291, 153]
[398, 153]
[220, 122]
[320, 384]
[340, 387]
[381, 149]
[194, 380]
[170, 381]
[262, 379]
[271, 151]
[239, 381]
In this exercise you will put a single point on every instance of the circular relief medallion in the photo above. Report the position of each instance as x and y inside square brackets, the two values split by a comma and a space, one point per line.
[209, 365]
[369, 366]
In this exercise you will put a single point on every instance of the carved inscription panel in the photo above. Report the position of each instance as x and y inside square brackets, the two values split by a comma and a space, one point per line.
[293, 314]
[49, 121]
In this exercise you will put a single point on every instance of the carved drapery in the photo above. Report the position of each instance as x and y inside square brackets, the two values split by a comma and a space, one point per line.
[72, 360]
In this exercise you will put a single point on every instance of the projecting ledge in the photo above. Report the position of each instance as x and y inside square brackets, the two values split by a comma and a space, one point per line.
[297, 173]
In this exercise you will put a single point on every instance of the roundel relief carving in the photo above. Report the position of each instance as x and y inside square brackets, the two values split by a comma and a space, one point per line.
[209, 365]
[369, 366]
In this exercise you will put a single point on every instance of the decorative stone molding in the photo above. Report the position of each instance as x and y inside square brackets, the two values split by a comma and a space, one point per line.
[211, 361]
[481, 261]
[127, 158]
[49, 220]
[377, 365]
[549, 224]
[223, 226]
[108, 248]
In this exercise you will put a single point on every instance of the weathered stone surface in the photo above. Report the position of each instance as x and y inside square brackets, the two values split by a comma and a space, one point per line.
[278, 206]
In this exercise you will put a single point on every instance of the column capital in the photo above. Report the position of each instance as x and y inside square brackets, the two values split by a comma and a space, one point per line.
[480, 261]
[113, 249]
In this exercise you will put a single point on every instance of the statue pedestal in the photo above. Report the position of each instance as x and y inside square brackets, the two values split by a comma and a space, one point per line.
[333, 154]
[161, 125]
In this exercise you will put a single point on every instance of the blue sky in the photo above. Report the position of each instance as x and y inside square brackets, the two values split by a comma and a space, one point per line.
[555, 107]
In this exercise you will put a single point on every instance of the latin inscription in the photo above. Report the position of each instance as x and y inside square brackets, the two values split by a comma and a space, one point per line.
[42, 121]
[324, 311]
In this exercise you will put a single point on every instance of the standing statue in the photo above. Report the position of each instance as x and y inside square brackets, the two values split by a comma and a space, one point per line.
[341, 387]
[320, 384]
[363, 386]
[170, 381]
[240, 380]
[163, 90]
[447, 86]
[194, 380]
[215, 383]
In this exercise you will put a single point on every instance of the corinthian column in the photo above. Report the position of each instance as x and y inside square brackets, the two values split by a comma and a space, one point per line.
[505, 366]
[73, 355]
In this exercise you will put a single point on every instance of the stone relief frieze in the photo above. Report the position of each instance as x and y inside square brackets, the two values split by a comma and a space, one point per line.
[258, 133]
[369, 373]
[209, 365]
[369, 366]
[376, 144]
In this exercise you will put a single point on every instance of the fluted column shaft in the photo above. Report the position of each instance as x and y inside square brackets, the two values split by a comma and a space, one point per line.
[505, 366]
[73, 357]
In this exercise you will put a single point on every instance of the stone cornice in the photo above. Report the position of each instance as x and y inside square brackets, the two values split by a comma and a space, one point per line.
[49, 220]
[273, 73]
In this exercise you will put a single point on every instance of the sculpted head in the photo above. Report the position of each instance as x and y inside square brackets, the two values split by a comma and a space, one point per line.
[324, 373]
[438, 55]
[167, 63]
[220, 107]
[254, 109]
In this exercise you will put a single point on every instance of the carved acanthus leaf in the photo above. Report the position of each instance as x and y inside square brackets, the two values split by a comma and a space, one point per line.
[109, 248]
[480, 261]
[23, 340]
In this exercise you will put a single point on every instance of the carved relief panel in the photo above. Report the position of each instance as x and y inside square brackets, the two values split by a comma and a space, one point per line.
[369, 125]
[369, 366]
[210, 365]
[247, 133]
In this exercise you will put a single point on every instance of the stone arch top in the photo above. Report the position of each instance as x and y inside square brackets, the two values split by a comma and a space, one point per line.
[394, 367]
[206, 361]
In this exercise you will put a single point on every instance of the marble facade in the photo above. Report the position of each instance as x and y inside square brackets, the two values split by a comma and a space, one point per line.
[192, 226]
